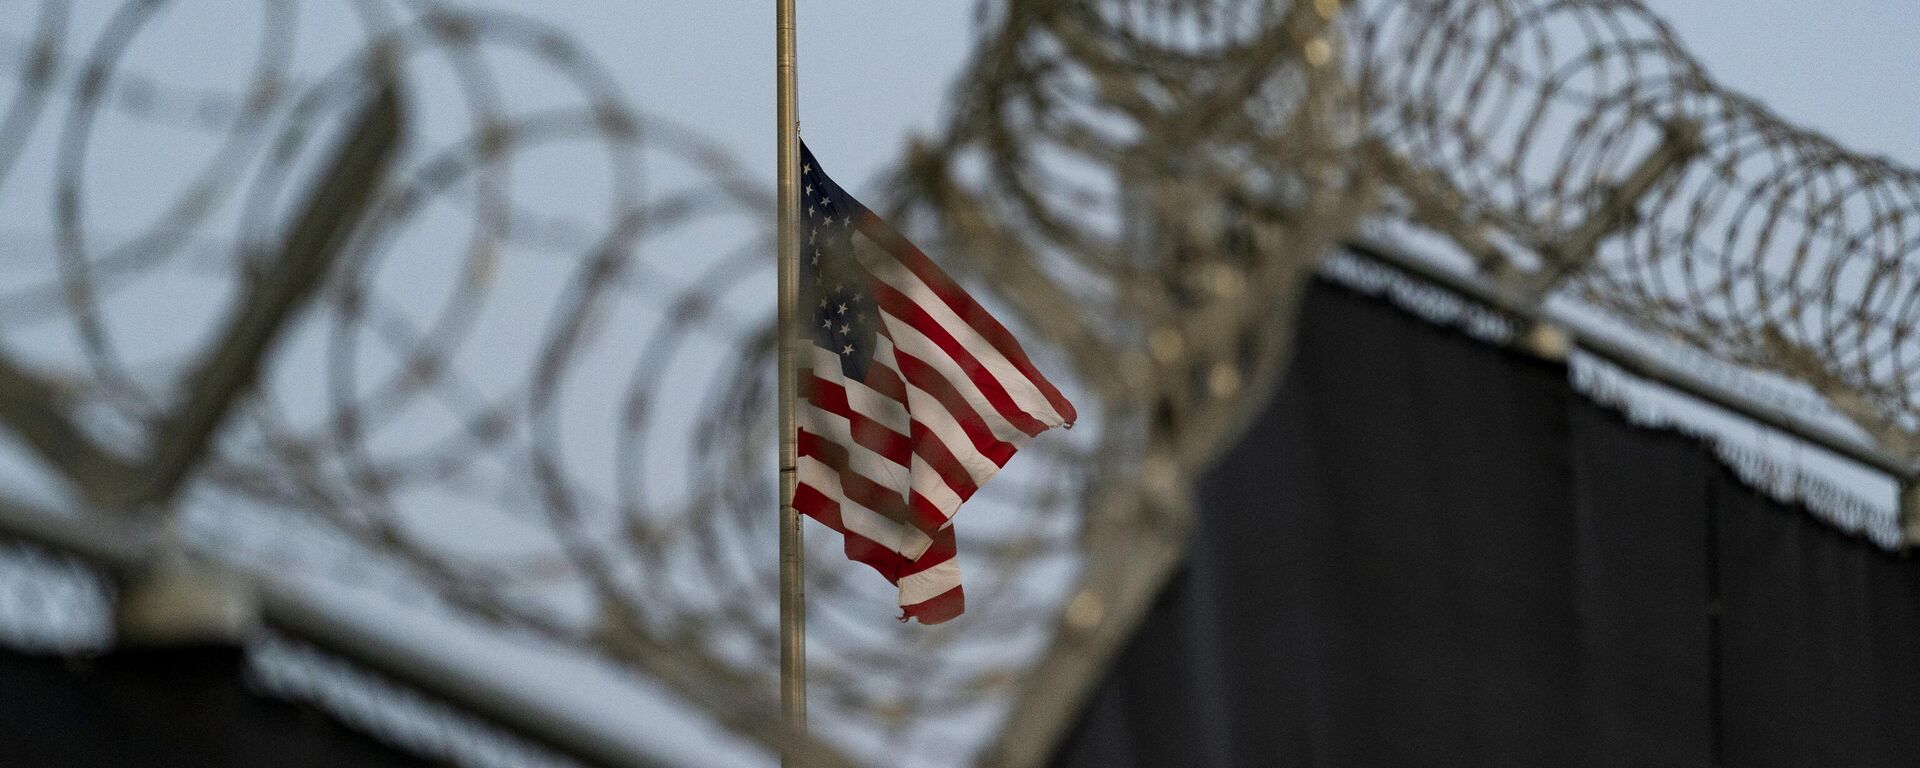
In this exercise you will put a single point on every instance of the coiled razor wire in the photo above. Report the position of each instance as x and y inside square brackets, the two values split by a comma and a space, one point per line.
[536, 385]
[1773, 247]
[1163, 167]
[541, 411]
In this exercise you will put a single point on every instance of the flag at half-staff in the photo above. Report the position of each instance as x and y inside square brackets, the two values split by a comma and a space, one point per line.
[909, 396]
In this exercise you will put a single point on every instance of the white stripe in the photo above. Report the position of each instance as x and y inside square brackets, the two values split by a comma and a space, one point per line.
[862, 398]
[1025, 395]
[861, 459]
[932, 487]
[904, 539]
[930, 583]
[913, 343]
[918, 476]
[934, 416]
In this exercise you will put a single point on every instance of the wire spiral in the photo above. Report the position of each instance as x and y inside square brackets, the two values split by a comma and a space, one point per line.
[1772, 247]
[537, 409]
[528, 389]
[1173, 169]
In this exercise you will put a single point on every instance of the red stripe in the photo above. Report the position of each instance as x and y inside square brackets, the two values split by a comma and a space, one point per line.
[881, 439]
[903, 309]
[930, 381]
[928, 445]
[891, 565]
[941, 550]
[963, 305]
[812, 503]
[945, 605]
[926, 515]
[883, 380]
[857, 487]
[941, 460]
[875, 436]
[925, 443]
[940, 608]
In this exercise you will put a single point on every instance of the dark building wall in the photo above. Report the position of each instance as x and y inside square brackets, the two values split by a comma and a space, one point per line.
[181, 707]
[1432, 551]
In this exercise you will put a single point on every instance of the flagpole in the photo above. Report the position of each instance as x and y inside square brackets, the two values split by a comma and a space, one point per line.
[793, 608]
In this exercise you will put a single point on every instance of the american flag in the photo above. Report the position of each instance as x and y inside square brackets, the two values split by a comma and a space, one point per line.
[910, 396]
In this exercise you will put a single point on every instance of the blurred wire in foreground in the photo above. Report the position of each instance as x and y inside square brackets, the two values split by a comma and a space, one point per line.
[1151, 180]
[540, 357]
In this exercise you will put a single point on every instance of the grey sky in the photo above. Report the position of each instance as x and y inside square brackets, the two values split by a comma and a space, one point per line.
[1848, 68]
[875, 72]
[872, 74]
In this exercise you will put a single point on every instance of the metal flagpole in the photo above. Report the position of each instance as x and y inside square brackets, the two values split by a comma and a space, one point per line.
[793, 607]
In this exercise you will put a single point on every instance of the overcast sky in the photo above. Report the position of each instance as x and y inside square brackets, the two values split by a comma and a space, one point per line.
[873, 73]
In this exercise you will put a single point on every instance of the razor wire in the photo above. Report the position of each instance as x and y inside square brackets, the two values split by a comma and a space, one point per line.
[540, 417]
[1173, 168]
[535, 414]
[1510, 126]
[1772, 247]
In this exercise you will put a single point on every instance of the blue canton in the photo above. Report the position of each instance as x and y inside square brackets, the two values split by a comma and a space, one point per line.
[832, 281]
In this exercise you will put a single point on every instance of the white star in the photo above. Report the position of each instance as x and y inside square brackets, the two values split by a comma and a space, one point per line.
[806, 169]
[823, 303]
[847, 349]
[846, 220]
[826, 323]
[809, 189]
[809, 210]
[810, 236]
[816, 259]
[843, 328]
[843, 309]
